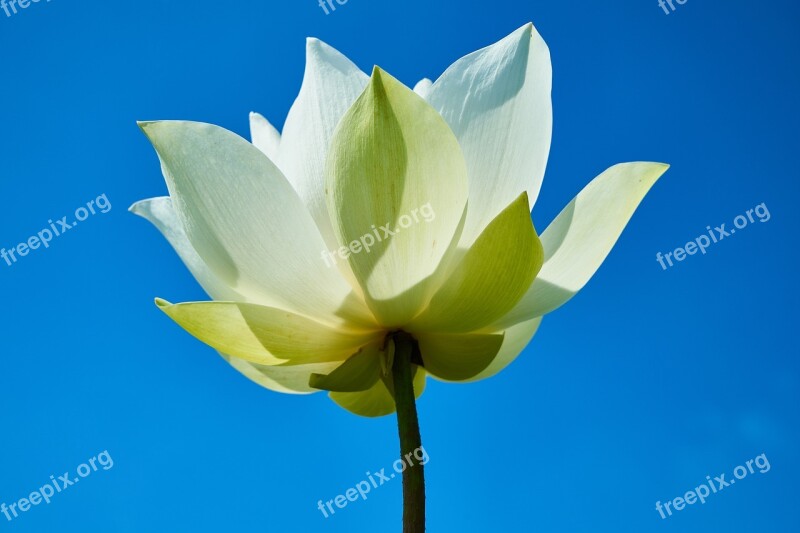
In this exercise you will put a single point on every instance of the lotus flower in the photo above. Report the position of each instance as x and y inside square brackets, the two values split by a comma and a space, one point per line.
[276, 230]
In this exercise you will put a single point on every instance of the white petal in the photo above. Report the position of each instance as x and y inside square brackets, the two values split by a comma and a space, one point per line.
[580, 238]
[265, 137]
[423, 88]
[330, 86]
[160, 213]
[285, 379]
[497, 102]
[248, 224]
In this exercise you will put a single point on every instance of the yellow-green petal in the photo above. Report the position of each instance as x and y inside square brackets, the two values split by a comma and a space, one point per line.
[458, 357]
[265, 335]
[580, 238]
[358, 373]
[515, 339]
[395, 165]
[287, 379]
[377, 400]
[491, 277]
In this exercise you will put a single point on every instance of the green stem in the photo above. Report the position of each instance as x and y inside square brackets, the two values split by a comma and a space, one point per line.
[406, 352]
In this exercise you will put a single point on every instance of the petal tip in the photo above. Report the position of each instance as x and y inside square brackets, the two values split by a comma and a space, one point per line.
[162, 303]
[316, 47]
[135, 207]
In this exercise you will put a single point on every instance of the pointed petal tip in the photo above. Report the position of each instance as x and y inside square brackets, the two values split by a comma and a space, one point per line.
[162, 303]
[318, 47]
[657, 166]
[135, 208]
[256, 117]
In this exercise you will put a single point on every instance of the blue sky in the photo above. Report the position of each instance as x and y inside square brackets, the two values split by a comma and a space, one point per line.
[645, 383]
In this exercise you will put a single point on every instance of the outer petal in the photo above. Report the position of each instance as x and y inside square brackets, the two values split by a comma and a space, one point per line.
[376, 401]
[580, 238]
[393, 159]
[265, 335]
[265, 137]
[458, 357]
[291, 379]
[160, 213]
[247, 223]
[491, 277]
[358, 373]
[515, 340]
[330, 86]
[285, 379]
[497, 101]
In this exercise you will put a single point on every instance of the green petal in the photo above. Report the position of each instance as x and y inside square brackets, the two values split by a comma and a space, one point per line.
[458, 357]
[394, 163]
[491, 278]
[580, 238]
[265, 335]
[515, 339]
[358, 373]
[377, 400]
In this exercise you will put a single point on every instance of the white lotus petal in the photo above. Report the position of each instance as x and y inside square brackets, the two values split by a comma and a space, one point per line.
[248, 224]
[580, 238]
[285, 379]
[264, 136]
[160, 213]
[423, 87]
[330, 86]
[497, 102]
